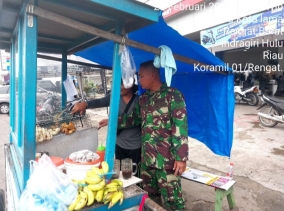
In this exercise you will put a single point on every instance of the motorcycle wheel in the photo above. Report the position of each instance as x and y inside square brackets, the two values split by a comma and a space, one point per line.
[238, 97]
[253, 99]
[268, 122]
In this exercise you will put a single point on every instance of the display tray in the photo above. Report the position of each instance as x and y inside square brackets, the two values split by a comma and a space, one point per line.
[126, 183]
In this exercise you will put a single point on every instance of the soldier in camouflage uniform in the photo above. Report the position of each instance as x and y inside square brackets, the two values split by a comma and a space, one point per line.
[162, 114]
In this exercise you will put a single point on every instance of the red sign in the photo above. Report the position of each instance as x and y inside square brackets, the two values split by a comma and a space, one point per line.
[184, 5]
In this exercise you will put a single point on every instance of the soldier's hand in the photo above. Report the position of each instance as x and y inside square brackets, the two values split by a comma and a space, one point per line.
[103, 123]
[79, 107]
[179, 167]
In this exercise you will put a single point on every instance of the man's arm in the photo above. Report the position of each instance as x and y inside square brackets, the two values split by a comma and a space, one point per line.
[97, 103]
[179, 132]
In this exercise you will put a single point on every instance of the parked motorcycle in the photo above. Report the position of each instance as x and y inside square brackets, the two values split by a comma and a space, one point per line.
[248, 95]
[208, 38]
[272, 111]
[49, 105]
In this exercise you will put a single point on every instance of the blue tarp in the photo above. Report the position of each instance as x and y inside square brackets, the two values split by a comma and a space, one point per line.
[209, 96]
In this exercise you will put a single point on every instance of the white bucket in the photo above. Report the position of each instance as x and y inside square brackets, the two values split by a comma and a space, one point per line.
[78, 171]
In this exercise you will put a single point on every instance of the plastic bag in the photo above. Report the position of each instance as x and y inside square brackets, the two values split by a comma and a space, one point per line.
[70, 89]
[128, 68]
[83, 156]
[48, 189]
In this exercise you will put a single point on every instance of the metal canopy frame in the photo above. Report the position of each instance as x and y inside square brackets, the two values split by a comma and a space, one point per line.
[33, 10]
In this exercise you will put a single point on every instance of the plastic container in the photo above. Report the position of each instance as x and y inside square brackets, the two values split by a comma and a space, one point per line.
[101, 152]
[77, 170]
[57, 161]
[230, 170]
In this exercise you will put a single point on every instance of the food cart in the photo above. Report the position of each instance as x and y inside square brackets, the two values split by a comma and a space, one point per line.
[66, 27]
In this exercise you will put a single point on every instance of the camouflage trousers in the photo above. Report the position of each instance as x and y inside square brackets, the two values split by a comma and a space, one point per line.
[163, 182]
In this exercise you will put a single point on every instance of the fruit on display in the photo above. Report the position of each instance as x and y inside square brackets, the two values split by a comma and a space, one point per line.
[93, 180]
[94, 189]
[118, 196]
[99, 196]
[105, 167]
[74, 203]
[98, 186]
[83, 201]
[91, 195]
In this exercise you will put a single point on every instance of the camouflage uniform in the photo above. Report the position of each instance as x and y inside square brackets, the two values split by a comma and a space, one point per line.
[163, 120]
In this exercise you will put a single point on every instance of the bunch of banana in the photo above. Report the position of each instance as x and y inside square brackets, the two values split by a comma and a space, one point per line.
[94, 188]
[80, 184]
[113, 193]
[79, 202]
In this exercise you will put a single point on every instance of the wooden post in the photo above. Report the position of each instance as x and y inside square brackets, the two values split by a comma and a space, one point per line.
[220, 194]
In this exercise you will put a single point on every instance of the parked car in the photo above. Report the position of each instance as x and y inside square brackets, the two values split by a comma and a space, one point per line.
[4, 99]
[46, 85]
[43, 88]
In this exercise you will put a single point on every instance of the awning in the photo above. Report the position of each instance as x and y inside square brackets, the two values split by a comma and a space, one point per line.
[209, 96]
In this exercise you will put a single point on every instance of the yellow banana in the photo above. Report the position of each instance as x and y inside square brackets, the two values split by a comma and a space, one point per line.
[83, 201]
[117, 196]
[118, 181]
[108, 196]
[79, 182]
[102, 171]
[105, 167]
[105, 202]
[111, 189]
[93, 180]
[112, 184]
[90, 194]
[99, 196]
[92, 174]
[95, 193]
[96, 170]
[97, 187]
[74, 203]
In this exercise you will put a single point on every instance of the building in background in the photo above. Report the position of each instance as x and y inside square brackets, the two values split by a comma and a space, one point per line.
[248, 35]
[4, 67]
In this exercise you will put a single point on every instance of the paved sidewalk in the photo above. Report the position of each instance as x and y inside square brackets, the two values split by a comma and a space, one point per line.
[4, 138]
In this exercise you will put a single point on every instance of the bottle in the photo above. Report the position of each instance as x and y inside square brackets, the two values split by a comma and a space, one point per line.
[230, 170]
[101, 152]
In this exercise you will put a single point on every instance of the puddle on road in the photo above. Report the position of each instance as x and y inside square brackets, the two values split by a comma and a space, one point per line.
[242, 136]
[256, 125]
[270, 139]
[277, 151]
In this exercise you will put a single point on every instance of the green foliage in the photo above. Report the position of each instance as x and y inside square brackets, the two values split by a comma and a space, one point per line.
[89, 85]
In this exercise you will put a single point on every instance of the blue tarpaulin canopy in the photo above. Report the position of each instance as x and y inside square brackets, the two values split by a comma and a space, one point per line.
[209, 96]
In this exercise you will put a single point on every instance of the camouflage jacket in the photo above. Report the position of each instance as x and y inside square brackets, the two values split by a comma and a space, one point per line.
[163, 120]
